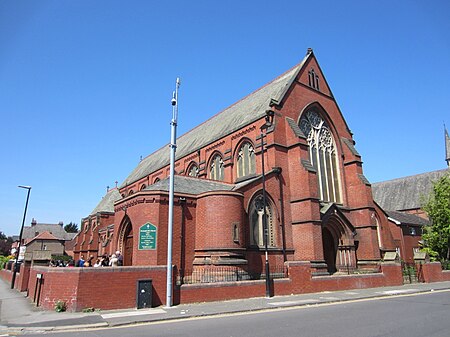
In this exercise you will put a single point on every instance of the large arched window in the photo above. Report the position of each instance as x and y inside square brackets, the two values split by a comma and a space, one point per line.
[256, 216]
[323, 155]
[246, 160]
[216, 171]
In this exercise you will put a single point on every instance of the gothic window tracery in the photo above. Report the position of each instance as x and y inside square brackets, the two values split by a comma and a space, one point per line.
[256, 215]
[323, 155]
[216, 169]
[246, 160]
[193, 171]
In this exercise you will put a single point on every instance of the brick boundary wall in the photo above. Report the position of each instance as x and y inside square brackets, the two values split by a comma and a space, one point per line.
[115, 288]
[432, 272]
[101, 288]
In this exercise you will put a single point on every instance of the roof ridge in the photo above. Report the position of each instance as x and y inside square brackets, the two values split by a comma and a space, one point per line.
[409, 177]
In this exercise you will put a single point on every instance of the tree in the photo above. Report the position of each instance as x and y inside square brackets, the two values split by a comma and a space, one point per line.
[5, 244]
[437, 236]
[71, 228]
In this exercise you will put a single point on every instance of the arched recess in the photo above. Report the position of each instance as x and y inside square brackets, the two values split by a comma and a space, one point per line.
[125, 241]
[338, 241]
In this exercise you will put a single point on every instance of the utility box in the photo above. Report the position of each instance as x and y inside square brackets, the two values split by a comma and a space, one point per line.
[144, 294]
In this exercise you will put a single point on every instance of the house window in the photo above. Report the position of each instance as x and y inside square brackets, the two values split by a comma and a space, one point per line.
[256, 220]
[412, 231]
[216, 171]
[313, 79]
[193, 171]
[323, 155]
[246, 160]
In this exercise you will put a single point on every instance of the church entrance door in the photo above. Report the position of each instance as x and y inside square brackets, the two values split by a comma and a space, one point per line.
[128, 246]
[329, 250]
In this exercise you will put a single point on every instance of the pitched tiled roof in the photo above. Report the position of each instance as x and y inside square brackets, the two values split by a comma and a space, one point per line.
[56, 230]
[43, 236]
[233, 118]
[407, 219]
[107, 202]
[405, 193]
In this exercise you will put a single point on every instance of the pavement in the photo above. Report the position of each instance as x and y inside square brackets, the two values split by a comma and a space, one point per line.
[19, 316]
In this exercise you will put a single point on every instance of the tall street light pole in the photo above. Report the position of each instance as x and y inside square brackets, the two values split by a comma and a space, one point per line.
[20, 236]
[269, 120]
[173, 146]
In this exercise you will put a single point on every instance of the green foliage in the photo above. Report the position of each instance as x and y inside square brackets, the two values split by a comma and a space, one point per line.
[437, 236]
[60, 306]
[71, 228]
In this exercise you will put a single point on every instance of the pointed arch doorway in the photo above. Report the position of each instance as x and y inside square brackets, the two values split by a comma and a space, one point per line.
[339, 250]
[126, 241]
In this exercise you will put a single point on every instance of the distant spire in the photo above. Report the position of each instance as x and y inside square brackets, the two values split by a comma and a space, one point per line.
[447, 146]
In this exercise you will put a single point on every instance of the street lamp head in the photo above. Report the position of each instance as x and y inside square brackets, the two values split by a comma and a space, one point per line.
[26, 187]
[269, 117]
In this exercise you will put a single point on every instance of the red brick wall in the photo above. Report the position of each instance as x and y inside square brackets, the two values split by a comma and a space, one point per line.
[95, 287]
[432, 272]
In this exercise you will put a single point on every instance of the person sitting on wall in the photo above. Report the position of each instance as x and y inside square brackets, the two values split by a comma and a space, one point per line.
[119, 258]
[114, 261]
[98, 263]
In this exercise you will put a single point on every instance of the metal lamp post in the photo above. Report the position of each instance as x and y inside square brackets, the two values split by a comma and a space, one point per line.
[173, 146]
[269, 120]
[20, 236]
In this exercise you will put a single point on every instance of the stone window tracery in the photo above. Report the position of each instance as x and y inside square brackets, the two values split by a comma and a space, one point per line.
[216, 169]
[193, 171]
[256, 215]
[246, 160]
[323, 155]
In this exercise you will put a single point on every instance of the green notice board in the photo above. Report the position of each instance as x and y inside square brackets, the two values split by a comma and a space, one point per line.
[147, 236]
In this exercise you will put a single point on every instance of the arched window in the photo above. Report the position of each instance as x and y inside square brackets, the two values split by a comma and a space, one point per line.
[216, 168]
[193, 171]
[323, 155]
[256, 216]
[156, 180]
[130, 192]
[246, 160]
[143, 187]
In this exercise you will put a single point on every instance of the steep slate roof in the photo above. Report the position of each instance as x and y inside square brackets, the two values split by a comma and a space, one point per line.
[107, 202]
[407, 219]
[57, 230]
[190, 185]
[233, 118]
[405, 193]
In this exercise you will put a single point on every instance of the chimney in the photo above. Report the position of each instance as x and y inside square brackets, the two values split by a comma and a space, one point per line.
[61, 223]
[33, 222]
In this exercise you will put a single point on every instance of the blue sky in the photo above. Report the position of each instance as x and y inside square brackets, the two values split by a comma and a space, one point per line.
[85, 86]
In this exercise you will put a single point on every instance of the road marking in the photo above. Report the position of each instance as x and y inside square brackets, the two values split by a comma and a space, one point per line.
[134, 313]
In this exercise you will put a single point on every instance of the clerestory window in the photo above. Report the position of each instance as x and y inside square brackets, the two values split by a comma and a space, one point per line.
[193, 171]
[246, 160]
[323, 155]
[216, 170]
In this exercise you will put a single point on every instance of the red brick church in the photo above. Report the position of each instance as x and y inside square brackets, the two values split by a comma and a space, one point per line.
[319, 205]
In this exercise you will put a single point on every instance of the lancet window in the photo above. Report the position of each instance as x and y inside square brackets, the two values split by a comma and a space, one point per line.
[216, 169]
[246, 160]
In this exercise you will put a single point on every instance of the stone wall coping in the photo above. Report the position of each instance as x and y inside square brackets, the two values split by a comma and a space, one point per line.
[79, 270]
